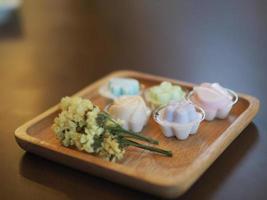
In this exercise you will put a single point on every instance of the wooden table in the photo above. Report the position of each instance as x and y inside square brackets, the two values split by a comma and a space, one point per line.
[50, 49]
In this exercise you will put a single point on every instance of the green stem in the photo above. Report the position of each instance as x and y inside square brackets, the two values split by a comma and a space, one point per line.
[150, 148]
[118, 130]
[138, 136]
[134, 135]
[141, 137]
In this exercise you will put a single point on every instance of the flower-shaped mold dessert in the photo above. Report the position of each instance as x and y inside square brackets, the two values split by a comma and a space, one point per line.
[131, 111]
[163, 94]
[117, 87]
[179, 119]
[216, 100]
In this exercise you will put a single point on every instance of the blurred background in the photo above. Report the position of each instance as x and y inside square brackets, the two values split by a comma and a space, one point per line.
[53, 48]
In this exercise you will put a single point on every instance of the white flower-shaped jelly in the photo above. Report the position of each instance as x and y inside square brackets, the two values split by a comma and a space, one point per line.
[131, 110]
[179, 119]
[216, 101]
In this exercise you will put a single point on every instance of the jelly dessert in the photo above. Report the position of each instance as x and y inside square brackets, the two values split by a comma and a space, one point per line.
[123, 86]
[163, 94]
[179, 119]
[131, 110]
[117, 87]
[216, 100]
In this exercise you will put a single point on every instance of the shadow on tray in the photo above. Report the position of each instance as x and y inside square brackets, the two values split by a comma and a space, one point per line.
[78, 185]
[224, 166]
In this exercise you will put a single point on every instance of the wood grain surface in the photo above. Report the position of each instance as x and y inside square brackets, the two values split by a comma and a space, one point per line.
[156, 174]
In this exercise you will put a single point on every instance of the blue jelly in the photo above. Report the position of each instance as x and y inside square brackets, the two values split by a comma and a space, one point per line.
[124, 86]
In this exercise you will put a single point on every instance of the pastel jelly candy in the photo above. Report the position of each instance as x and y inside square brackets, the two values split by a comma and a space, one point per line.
[163, 94]
[216, 101]
[124, 86]
[132, 111]
[179, 119]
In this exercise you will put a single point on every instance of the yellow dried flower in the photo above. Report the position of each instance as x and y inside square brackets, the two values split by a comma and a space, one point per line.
[76, 124]
[83, 125]
[111, 149]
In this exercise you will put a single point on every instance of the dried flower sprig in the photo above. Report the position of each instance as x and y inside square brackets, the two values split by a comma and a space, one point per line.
[83, 125]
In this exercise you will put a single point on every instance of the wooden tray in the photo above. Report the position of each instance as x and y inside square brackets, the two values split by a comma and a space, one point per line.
[152, 173]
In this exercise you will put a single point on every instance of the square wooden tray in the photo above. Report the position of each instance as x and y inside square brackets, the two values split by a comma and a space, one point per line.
[142, 170]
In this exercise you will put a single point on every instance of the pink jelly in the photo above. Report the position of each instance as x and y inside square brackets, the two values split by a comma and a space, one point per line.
[216, 101]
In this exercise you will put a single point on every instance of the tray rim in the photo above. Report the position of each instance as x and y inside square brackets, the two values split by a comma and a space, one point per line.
[173, 187]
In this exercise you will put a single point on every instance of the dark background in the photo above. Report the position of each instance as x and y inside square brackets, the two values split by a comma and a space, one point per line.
[53, 48]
